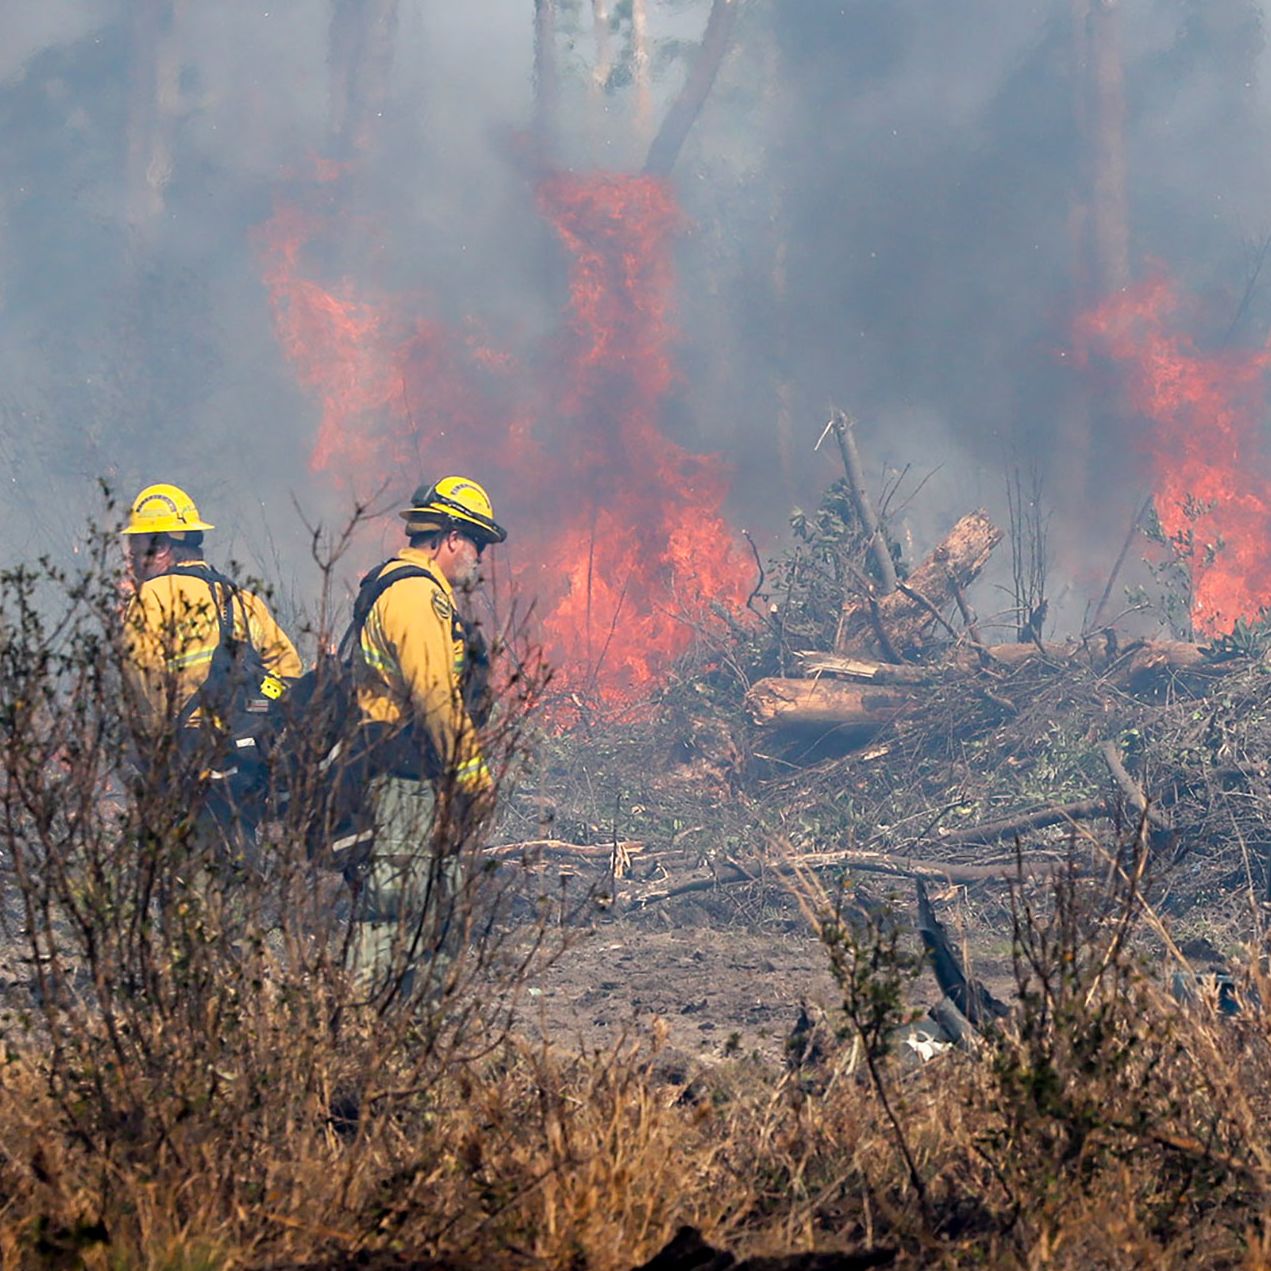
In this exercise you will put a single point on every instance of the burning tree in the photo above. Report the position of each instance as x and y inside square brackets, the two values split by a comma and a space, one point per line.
[626, 541]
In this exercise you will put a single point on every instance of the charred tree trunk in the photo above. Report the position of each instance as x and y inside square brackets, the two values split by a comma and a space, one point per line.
[601, 70]
[546, 83]
[1110, 234]
[640, 69]
[701, 77]
[1100, 237]
[152, 101]
[361, 59]
[901, 619]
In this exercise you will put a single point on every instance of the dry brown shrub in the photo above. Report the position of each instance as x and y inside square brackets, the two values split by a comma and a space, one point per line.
[190, 1077]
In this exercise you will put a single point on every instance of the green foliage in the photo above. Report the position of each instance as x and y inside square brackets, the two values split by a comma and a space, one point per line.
[807, 582]
[1173, 569]
[1245, 639]
[873, 969]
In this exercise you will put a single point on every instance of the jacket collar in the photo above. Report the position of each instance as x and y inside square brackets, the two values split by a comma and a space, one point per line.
[417, 556]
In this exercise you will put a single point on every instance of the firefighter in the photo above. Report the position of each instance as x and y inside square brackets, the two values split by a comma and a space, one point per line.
[419, 672]
[180, 614]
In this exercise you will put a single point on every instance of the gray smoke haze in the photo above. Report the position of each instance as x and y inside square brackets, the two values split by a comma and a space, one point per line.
[880, 200]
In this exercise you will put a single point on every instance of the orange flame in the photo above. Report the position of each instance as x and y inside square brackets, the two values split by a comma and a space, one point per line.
[628, 542]
[1206, 411]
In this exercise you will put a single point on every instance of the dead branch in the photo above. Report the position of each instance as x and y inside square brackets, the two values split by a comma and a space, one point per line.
[1101, 607]
[864, 862]
[880, 632]
[759, 580]
[842, 425]
[1129, 787]
[922, 602]
[1010, 827]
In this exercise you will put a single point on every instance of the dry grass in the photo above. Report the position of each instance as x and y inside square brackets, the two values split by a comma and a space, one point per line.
[1105, 1125]
[189, 1077]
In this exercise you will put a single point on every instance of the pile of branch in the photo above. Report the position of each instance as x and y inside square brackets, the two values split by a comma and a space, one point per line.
[896, 638]
[858, 696]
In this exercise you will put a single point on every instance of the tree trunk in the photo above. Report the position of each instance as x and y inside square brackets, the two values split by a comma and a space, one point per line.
[1110, 236]
[361, 58]
[640, 70]
[153, 94]
[546, 85]
[904, 620]
[602, 68]
[697, 86]
[1100, 252]
[826, 703]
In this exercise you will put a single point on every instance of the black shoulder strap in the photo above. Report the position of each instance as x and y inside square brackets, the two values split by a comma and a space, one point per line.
[224, 607]
[370, 589]
[230, 592]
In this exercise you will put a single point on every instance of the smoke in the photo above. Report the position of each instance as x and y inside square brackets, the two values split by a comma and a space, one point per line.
[882, 208]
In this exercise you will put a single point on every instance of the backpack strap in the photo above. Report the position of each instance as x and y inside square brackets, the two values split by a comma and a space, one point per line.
[231, 591]
[370, 589]
[224, 608]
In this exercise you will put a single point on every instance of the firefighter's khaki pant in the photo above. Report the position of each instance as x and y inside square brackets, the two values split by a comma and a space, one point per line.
[408, 926]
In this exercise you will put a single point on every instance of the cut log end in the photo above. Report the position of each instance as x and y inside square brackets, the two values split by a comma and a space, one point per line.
[906, 616]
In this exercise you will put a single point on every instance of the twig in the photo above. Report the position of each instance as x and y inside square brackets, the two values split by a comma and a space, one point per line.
[1120, 560]
[998, 700]
[754, 551]
[969, 619]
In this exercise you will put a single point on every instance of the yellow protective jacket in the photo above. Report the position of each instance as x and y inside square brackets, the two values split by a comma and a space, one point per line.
[171, 631]
[412, 668]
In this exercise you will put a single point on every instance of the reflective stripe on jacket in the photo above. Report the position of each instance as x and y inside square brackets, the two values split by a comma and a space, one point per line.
[171, 632]
[412, 666]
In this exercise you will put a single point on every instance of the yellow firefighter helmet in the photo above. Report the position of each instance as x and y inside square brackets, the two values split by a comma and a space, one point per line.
[454, 503]
[164, 509]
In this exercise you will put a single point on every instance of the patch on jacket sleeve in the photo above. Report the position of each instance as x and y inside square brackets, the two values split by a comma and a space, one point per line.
[441, 605]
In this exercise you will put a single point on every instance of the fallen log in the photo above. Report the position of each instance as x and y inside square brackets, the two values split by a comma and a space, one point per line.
[905, 615]
[1143, 662]
[558, 847]
[1132, 665]
[786, 703]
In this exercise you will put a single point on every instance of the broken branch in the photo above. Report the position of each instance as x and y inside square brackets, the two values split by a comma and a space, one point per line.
[842, 426]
